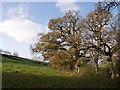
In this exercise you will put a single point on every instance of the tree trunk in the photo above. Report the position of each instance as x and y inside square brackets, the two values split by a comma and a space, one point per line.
[78, 69]
[96, 66]
[110, 68]
[95, 58]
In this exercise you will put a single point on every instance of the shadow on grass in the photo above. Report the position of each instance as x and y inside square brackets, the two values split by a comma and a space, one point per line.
[19, 80]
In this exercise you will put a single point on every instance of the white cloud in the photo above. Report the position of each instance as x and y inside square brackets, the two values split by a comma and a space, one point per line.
[65, 5]
[19, 27]
[22, 30]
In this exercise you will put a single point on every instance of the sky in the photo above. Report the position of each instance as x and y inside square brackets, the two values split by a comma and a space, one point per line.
[22, 21]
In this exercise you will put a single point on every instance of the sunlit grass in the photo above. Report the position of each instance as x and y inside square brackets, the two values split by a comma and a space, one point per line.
[27, 68]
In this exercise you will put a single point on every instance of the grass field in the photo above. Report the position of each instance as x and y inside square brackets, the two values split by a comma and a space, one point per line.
[23, 73]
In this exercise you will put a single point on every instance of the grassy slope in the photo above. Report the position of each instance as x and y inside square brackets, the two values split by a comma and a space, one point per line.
[22, 73]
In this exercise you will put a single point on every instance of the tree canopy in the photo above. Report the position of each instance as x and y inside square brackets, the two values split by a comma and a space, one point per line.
[73, 40]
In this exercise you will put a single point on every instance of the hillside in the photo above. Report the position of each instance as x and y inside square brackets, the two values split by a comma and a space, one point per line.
[23, 73]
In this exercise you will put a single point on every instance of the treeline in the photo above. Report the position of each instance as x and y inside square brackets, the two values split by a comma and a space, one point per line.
[15, 53]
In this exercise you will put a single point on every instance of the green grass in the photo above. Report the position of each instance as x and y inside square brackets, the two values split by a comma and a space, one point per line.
[23, 73]
[26, 67]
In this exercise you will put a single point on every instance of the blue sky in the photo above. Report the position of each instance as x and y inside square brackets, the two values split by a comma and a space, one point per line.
[21, 21]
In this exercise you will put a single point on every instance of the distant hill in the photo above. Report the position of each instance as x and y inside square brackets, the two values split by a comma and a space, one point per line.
[21, 59]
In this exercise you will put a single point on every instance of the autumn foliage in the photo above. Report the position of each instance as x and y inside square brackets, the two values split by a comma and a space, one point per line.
[74, 40]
